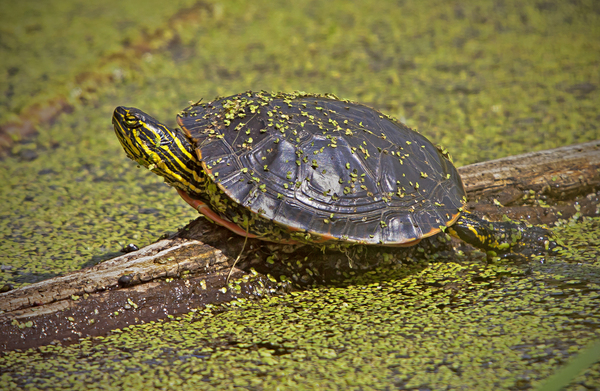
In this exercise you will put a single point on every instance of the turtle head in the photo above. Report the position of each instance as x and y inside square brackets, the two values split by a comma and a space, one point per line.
[164, 151]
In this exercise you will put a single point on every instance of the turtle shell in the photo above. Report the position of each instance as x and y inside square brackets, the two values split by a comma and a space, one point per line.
[332, 168]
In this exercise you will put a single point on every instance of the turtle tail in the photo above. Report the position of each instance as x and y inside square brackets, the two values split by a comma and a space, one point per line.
[501, 238]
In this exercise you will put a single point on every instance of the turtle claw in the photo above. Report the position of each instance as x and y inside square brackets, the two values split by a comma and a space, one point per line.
[534, 241]
[506, 238]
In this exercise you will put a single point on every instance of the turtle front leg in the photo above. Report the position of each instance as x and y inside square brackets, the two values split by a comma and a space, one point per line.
[211, 215]
[503, 238]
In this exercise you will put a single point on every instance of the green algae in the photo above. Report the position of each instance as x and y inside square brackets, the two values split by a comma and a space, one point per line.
[486, 80]
[454, 325]
[46, 45]
[80, 208]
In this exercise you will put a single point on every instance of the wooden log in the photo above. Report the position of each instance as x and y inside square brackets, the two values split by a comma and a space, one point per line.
[540, 187]
[134, 288]
[163, 259]
[561, 173]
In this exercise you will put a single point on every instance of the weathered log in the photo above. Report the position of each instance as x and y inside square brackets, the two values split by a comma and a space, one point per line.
[134, 288]
[169, 277]
[166, 258]
[540, 187]
[560, 173]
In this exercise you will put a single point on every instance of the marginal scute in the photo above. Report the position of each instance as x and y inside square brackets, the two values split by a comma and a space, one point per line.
[313, 163]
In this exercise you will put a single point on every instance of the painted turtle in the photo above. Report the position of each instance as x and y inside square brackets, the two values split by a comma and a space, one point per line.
[309, 168]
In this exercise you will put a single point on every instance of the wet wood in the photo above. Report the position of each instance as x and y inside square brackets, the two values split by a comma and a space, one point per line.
[136, 287]
[170, 277]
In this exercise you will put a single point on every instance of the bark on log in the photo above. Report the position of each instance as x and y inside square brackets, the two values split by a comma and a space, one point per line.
[132, 288]
[540, 187]
[560, 173]
[166, 258]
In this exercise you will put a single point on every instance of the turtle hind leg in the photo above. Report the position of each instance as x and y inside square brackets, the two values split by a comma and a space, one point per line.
[503, 238]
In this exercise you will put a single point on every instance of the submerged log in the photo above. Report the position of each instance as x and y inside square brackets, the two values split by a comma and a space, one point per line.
[190, 269]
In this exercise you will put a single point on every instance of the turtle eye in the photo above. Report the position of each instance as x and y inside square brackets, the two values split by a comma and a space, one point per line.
[131, 121]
